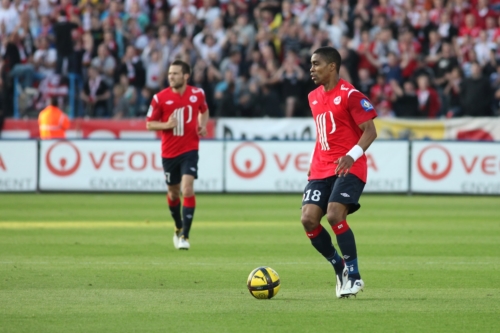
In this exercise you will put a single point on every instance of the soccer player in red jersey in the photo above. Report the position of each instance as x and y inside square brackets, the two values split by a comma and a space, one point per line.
[180, 112]
[337, 174]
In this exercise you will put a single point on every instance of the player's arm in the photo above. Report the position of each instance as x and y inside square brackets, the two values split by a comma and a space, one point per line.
[202, 123]
[362, 113]
[369, 135]
[203, 116]
[153, 118]
[162, 125]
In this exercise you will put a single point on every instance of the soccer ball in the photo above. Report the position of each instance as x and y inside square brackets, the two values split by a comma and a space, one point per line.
[263, 283]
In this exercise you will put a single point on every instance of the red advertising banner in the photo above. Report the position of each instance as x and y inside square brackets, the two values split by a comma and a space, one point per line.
[90, 129]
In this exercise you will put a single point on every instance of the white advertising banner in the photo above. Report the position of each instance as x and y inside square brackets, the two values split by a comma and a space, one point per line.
[265, 129]
[124, 166]
[388, 167]
[455, 167]
[18, 166]
[282, 166]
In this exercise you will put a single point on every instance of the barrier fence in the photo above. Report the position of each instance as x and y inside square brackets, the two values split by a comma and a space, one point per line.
[244, 166]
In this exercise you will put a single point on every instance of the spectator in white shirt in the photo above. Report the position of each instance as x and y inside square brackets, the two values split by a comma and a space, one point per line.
[45, 58]
[105, 63]
[209, 12]
[210, 49]
[180, 9]
[483, 48]
[9, 17]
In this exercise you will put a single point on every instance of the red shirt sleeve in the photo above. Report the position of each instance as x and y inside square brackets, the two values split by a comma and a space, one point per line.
[360, 108]
[154, 111]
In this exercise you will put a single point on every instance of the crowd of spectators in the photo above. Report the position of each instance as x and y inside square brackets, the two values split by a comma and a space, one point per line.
[413, 58]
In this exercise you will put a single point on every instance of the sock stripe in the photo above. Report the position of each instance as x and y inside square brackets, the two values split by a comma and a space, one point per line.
[340, 227]
[189, 202]
[173, 203]
[315, 232]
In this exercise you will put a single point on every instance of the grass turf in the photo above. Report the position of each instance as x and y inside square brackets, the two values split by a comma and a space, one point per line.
[105, 263]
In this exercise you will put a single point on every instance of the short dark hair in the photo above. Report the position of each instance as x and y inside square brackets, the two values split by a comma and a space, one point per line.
[330, 54]
[186, 69]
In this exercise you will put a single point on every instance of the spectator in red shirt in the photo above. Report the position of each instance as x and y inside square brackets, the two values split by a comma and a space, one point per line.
[470, 28]
[481, 12]
[366, 57]
[381, 90]
[428, 98]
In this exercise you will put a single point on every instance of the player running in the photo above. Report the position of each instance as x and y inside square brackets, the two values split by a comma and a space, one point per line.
[180, 112]
[337, 174]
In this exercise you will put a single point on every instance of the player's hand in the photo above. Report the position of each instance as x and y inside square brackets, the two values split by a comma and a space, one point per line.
[308, 172]
[344, 164]
[202, 130]
[172, 122]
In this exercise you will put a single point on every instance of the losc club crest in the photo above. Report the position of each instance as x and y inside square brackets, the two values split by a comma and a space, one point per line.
[193, 99]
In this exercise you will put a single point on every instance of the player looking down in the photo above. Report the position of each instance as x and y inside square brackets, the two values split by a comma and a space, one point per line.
[338, 169]
[180, 112]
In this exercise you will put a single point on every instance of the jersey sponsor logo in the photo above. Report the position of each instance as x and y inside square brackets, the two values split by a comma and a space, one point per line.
[179, 115]
[344, 88]
[321, 124]
[337, 100]
[193, 99]
[169, 102]
[367, 106]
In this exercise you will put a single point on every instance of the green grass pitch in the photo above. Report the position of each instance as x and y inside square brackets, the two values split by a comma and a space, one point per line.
[106, 263]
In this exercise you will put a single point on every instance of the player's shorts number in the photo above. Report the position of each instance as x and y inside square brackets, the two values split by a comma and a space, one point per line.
[316, 195]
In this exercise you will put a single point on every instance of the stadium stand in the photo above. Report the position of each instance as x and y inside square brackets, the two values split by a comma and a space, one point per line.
[418, 58]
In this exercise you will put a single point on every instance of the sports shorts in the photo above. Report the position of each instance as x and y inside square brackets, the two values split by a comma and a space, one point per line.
[345, 190]
[176, 167]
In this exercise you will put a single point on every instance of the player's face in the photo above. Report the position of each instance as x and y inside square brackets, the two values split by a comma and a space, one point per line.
[321, 70]
[175, 77]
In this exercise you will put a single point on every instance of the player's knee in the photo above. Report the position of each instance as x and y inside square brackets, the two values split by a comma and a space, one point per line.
[309, 222]
[334, 217]
[173, 195]
[187, 191]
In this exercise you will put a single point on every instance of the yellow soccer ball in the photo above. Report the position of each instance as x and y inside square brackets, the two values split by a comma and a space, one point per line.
[263, 283]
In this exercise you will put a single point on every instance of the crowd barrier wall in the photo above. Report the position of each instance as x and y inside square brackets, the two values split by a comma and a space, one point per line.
[469, 129]
[394, 166]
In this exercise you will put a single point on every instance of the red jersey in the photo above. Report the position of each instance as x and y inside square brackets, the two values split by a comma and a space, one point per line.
[338, 114]
[186, 108]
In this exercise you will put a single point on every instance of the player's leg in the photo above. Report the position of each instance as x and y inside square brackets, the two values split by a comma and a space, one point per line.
[314, 203]
[189, 170]
[343, 201]
[173, 179]
[188, 205]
